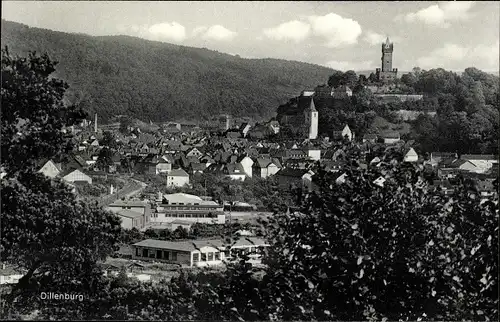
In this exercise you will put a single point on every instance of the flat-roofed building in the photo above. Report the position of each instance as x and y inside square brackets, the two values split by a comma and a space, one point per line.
[186, 207]
[199, 253]
[134, 214]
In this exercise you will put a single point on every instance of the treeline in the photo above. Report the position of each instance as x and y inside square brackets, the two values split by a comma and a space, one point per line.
[158, 81]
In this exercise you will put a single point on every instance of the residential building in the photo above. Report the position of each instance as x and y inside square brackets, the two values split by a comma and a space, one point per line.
[410, 156]
[341, 92]
[51, 169]
[76, 176]
[274, 126]
[177, 177]
[300, 178]
[234, 171]
[372, 138]
[247, 163]
[391, 137]
[344, 133]
[265, 167]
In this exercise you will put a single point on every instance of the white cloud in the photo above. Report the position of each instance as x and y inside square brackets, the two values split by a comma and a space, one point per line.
[216, 32]
[293, 30]
[220, 33]
[373, 38]
[348, 65]
[337, 31]
[198, 30]
[456, 57]
[167, 31]
[443, 14]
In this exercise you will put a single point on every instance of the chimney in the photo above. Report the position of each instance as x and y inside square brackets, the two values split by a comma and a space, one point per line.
[95, 123]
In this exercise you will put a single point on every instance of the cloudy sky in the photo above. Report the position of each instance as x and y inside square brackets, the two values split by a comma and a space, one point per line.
[341, 35]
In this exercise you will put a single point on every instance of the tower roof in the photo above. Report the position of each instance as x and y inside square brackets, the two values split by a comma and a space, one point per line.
[387, 40]
[312, 107]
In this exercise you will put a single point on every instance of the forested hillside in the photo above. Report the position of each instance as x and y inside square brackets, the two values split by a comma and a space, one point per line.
[115, 75]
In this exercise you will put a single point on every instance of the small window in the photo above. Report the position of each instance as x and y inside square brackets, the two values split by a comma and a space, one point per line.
[174, 256]
[217, 256]
[158, 254]
[210, 256]
[166, 255]
[196, 257]
[203, 257]
[145, 253]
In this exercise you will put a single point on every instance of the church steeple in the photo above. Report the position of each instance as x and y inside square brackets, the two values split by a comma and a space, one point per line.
[312, 107]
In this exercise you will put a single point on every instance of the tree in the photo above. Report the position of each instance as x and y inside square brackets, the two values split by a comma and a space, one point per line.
[336, 79]
[372, 78]
[350, 78]
[53, 237]
[125, 123]
[105, 158]
[362, 80]
[56, 253]
[108, 140]
[33, 113]
[180, 233]
[409, 79]
[402, 251]
[477, 96]
[362, 98]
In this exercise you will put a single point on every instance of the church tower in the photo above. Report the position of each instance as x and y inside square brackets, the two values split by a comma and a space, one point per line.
[311, 120]
[387, 74]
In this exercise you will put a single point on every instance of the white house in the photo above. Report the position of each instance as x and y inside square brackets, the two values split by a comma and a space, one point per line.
[177, 177]
[50, 169]
[235, 171]
[411, 156]
[264, 168]
[313, 153]
[345, 132]
[379, 181]
[247, 164]
[391, 137]
[77, 176]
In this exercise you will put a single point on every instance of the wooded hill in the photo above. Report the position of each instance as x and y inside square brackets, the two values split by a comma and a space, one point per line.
[146, 79]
